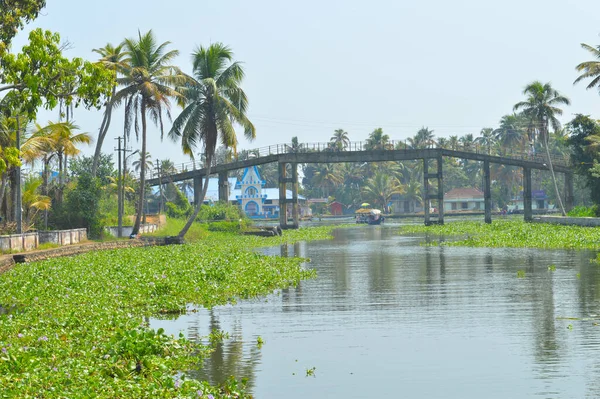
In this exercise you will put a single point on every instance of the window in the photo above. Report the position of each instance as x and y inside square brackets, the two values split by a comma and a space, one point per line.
[464, 205]
[251, 191]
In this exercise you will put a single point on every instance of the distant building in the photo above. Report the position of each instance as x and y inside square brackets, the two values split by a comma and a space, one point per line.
[539, 200]
[336, 208]
[251, 197]
[464, 199]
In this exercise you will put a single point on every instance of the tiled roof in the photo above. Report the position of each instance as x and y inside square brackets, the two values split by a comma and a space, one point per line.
[463, 193]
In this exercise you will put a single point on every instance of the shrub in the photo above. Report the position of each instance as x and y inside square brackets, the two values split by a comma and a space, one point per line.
[584, 211]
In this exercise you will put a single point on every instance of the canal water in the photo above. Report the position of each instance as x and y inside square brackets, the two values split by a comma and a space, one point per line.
[387, 317]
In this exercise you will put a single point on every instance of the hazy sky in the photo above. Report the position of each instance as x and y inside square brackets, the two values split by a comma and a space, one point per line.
[315, 66]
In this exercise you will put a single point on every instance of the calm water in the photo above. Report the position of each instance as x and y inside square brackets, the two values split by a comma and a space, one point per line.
[389, 318]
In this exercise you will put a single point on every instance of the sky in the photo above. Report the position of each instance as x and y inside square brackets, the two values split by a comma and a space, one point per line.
[316, 66]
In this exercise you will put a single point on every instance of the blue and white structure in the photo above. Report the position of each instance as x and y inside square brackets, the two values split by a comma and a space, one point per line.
[251, 197]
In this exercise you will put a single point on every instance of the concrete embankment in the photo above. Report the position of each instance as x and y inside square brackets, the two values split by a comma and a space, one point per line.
[566, 220]
[8, 261]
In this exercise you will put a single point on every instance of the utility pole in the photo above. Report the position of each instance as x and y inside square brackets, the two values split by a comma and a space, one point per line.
[18, 197]
[119, 192]
[160, 188]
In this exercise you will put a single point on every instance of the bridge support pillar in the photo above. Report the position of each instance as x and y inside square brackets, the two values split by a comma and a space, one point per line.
[569, 197]
[223, 187]
[440, 172]
[426, 200]
[295, 207]
[528, 213]
[487, 191]
[284, 201]
[197, 189]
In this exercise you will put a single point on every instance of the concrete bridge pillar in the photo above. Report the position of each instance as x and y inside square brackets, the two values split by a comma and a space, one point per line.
[223, 187]
[569, 197]
[440, 172]
[528, 213]
[487, 191]
[197, 189]
[426, 200]
[283, 200]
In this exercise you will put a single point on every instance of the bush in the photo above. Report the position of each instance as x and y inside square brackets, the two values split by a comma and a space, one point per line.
[229, 227]
[220, 211]
[584, 211]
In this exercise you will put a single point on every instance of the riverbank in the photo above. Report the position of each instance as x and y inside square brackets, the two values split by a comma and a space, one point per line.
[508, 233]
[74, 327]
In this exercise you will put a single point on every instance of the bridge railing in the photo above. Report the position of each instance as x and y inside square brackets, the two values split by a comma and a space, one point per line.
[277, 149]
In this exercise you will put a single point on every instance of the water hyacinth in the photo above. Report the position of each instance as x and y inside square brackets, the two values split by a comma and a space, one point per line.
[94, 342]
[508, 233]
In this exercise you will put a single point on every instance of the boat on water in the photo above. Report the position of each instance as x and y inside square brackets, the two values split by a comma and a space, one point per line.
[369, 216]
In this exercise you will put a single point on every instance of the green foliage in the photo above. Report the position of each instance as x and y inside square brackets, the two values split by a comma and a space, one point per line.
[41, 76]
[584, 211]
[511, 233]
[230, 227]
[180, 208]
[83, 165]
[220, 211]
[81, 207]
[79, 329]
[13, 16]
[520, 273]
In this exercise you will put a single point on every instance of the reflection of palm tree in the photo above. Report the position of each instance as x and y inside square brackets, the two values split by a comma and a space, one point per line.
[229, 358]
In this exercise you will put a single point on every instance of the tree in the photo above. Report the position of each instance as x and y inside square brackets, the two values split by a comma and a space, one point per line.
[541, 107]
[327, 177]
[377, 140]
[340, 140]
[212, 103]
[13, 16]
[380, 188]
[148, 85]
[423, 138]
[510, 132]
[33, 201]
[113, 59]
[590, 69]
[486, 139]
[583, 140]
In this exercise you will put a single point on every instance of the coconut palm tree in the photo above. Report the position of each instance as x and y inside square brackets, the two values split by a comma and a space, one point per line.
[486, 139]
[137, 164]
[340, 140]
[541, 107]
[114, 59]
[423, 138]
[590, 69]
[380, 188]
[327, 177]
[511, 132]
[377, 140]
[212, 103]
[33, 201]
[148, 84]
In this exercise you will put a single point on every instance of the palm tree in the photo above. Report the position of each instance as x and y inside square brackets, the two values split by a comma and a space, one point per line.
[113, 58]
[486, 138]
[453, 143]
[148, 84]
[380, 188]
[212, 103]
[510, 132]
[137, 164]
[590, 69]
[377, 140]
[327, 176]
[541, 107]
[340, 140]
[61, 141]
[33, 202]
[423, 138]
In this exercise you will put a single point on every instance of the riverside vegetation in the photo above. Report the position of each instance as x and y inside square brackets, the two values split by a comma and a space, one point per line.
[77, 327]
[509, 233]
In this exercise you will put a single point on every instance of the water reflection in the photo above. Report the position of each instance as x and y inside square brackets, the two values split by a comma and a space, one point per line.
[440, 322]
[230, 357]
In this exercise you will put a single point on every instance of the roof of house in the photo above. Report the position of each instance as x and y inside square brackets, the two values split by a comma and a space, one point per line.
[463, 194]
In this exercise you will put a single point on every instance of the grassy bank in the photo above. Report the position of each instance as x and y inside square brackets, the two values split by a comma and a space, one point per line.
[74, 327]
[510, 233]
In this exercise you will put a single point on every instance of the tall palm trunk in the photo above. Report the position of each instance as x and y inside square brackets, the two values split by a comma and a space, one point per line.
[140, 210]
[192, 218]
[102, 132]
[551, 167]
[3, 184]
